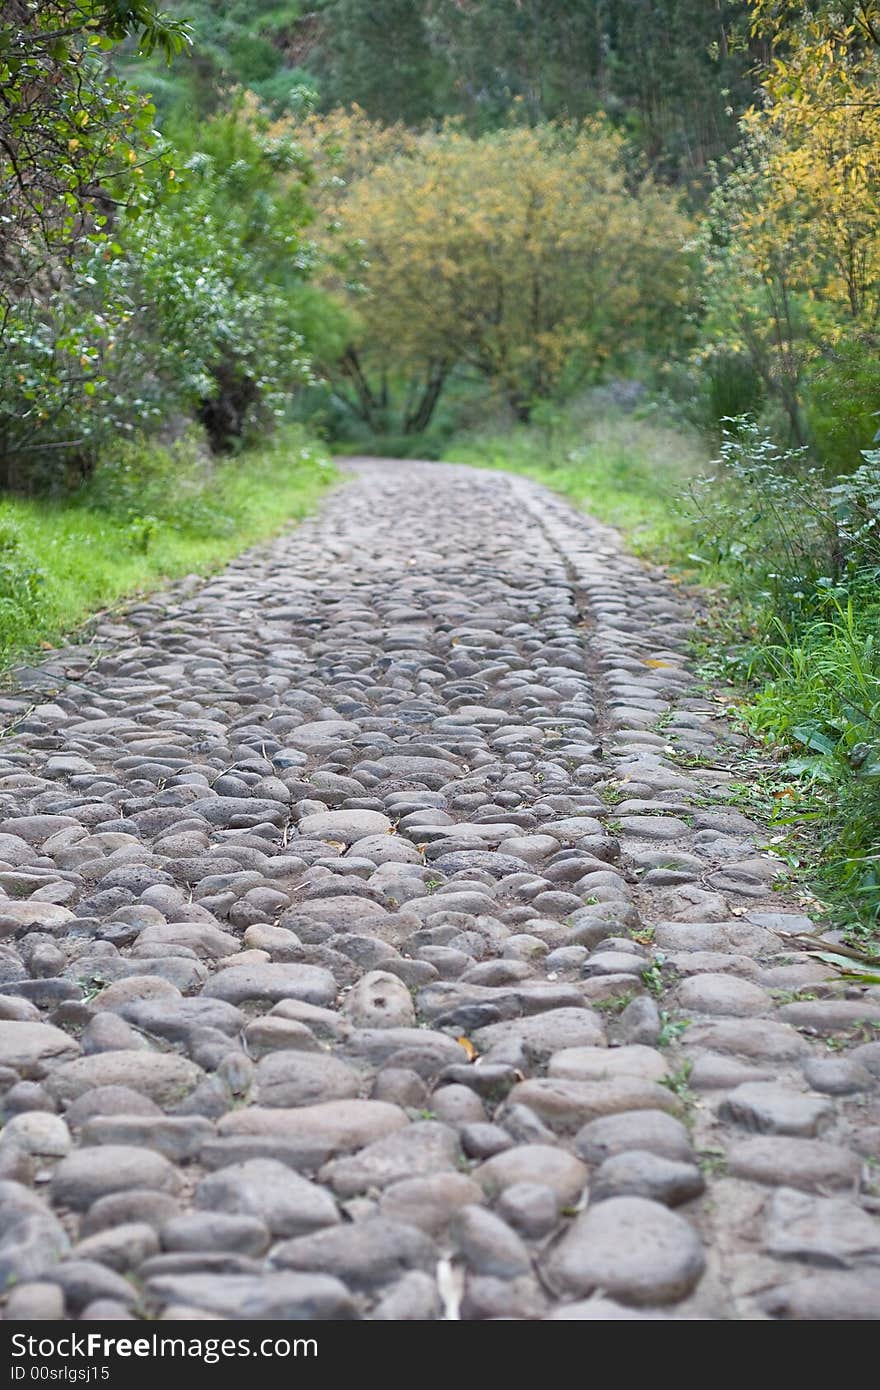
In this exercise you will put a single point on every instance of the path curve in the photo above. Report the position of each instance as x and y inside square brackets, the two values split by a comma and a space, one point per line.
[376, 942]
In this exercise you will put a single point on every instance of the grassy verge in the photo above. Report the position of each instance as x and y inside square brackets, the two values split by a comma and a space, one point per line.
[790, 629]
[148, 515]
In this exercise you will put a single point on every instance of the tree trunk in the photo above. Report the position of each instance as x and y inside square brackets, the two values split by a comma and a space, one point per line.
[418, 420]
[521, 406]
[368, 405]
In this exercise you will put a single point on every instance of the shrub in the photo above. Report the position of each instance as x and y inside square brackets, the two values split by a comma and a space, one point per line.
[532, 258]
[145, 486]
[733, 388]
[802, 559]
[191, 309]
[766, 513]
[843, 402]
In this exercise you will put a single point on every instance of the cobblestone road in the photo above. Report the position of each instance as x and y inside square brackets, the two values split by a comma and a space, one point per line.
[377, 943]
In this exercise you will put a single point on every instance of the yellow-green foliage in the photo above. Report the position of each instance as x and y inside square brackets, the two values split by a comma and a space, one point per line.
[793, 236]
[530, 256]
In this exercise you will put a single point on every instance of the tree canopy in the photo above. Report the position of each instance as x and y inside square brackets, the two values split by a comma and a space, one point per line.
[73, 138]
[673, 75]
[530, 257]
[793, 233]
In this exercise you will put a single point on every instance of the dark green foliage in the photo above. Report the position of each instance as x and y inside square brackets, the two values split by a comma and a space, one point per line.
[380, 56]
[801, 558]
[768, 510]
[193, 310]
[222, 267]
[673, 73]
[70, 133]
[843, 401]
[733, 388]
[75, 144]
[254, 44]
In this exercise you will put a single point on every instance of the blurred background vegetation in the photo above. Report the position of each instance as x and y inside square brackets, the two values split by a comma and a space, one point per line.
[628, 246]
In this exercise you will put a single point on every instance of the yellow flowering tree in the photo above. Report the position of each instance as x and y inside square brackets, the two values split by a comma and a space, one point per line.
[793, 235]
[530, 257]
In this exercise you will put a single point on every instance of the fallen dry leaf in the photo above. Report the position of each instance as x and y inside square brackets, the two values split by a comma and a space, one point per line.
[472, 1053]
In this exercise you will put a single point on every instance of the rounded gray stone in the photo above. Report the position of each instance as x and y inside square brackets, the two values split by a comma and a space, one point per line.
[422, 1148]
[277, 1296]
[270, 983]
[530, 1208]
[345, 826]
[304, 1078]
[163, 1077]
[379, 1000]
[770, 1108]
[488, 1245]
[429, 1202]
[552, 1167]
[637, 1173]
[722, 995]
[808, 1164]
[216, 1231]
[652, 1131]
[88, 1174]
[837, 1076]
[632, 1249]
[287, 1203]
[31, 1047]
[366, 1255]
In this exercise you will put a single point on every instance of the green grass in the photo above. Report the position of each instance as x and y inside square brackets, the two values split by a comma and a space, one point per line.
[815, 706]
[149, 516]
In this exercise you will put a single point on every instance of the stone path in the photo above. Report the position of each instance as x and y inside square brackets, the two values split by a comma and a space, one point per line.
[373, 948]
